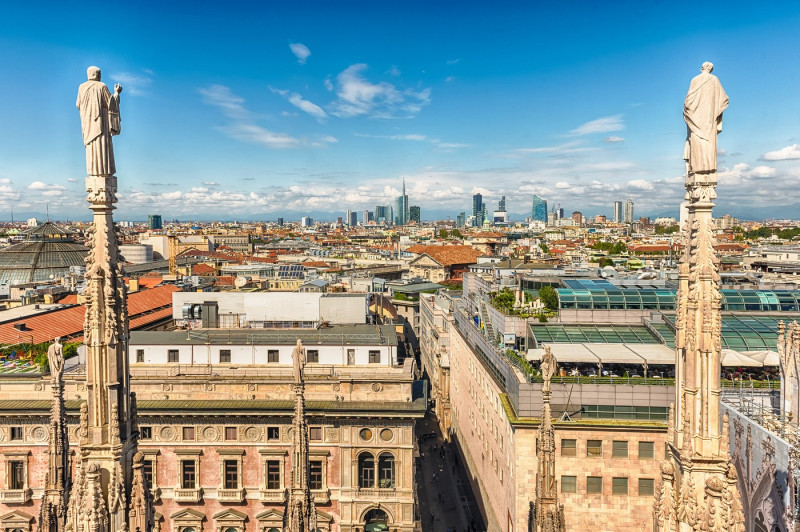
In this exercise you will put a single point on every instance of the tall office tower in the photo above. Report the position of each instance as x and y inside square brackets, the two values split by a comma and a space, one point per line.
[401, 207]
[367, 217]
[414, 214]
[352, 218]
[619, 214]
[461, 219]
[629, 211]
[560, 213]
[501, 206]
[154, 221]
[577, 218]
[539, 209]
[280, 222]
[477, 209]
[483, 216]
[306, 221]
[383, 213]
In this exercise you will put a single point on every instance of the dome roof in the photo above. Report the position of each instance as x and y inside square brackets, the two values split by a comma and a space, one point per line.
[47, 253]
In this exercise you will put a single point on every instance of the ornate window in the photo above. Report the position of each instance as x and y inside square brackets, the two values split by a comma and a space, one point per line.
[16, 520]
[188, 520]
[188, 489]
[273, 489]
[230, 489]
[386, 470]
[315, 474]
[366, 470]
[15, 471]
[150, 470]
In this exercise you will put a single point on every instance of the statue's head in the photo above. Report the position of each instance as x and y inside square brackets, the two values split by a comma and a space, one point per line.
[93, 73]
[707, 67]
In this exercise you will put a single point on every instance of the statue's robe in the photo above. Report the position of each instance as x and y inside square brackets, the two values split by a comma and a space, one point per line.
[702, 111]
[99, 121]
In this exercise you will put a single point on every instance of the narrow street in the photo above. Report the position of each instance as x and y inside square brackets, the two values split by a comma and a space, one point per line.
[446, 501]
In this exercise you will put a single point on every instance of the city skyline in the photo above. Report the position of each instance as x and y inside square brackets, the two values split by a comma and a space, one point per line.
[278, 116]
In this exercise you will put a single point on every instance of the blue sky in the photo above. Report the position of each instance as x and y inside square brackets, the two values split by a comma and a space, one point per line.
[268, 109]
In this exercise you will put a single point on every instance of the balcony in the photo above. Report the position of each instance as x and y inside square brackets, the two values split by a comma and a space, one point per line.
[272, 496]
[230, 495]
[15, 496]
[376, 493]
[188, 494]
[321, 496]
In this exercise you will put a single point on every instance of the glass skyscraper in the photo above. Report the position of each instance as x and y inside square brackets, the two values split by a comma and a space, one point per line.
[539, 209]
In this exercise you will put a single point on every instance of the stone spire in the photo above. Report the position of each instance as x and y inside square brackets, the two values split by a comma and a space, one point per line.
[789, 353]
[103, 493]
[301, 512]
[548, 513]
[698, 482]
[53, 511]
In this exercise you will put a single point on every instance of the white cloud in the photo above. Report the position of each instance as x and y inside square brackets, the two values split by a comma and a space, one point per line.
[783, 154]
[133, 84]
[394, 71]
[760, 172]
[210, 183]
[242, 123]
[640, 184]
[600, 125]
[453, 61]
[613, 139]
[300, 51]
[307, 106]
[37, 185]
[357, 96]
[562, 184]
[259, 135]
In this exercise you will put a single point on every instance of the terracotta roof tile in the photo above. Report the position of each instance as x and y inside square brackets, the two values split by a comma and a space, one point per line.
[448, 255]
[68, 322]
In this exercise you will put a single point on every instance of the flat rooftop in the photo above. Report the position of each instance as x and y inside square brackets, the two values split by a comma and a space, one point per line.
[359, 334]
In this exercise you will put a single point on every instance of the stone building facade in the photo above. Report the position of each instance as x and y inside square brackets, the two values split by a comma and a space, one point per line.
[217, 443]
[612, 463]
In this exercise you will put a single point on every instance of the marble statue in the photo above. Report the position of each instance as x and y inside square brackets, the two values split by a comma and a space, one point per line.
[702, 111]
[298, 361]
[100, 120]
[55, 357]
[547, 366]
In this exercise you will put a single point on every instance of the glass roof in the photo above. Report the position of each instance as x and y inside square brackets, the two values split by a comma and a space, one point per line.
[746, 332]
[740, 332]
[594, 294]
[594, 334]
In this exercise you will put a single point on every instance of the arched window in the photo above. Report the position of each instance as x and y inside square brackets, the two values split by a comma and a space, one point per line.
[376, 521]
[366, 471]
[386, 470]
[273, 530]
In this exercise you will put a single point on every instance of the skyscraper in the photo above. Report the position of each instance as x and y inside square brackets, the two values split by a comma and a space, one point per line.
[502, 204]
[461, 219]
[629, 211]
[366, 217]
[383, 213]
[619, 214]
[414, 214]
[154, 221]
[351, 218]
[401, 207]
[477, 209]
[539, 209]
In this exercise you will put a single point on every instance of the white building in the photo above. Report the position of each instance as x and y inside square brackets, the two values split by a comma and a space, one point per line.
[344, 345]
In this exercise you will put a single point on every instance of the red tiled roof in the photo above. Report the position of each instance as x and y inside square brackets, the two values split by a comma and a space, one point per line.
[226, 280]
[68, 322]
[203, 269]
[150, 281]
[448, 255]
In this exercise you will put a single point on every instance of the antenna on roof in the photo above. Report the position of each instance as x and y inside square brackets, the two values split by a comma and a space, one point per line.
[47, 209]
